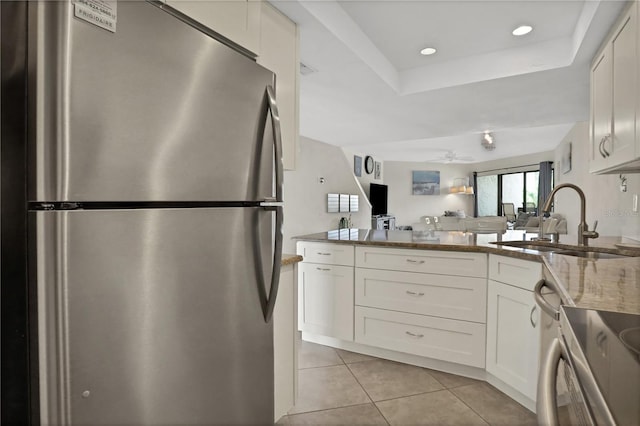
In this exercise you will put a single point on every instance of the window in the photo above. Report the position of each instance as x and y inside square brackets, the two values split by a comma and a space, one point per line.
[520, 188]
[487, 193]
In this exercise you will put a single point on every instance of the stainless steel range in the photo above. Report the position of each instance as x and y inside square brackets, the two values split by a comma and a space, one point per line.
[600, 353]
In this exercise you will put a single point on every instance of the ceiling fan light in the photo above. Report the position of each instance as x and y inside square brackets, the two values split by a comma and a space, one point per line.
[488, 142]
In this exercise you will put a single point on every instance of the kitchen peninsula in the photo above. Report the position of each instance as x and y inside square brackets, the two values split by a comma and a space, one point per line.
[452, 301]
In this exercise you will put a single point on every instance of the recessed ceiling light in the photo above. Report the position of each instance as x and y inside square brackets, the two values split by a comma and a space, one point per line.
[522, 30]
[428, 51]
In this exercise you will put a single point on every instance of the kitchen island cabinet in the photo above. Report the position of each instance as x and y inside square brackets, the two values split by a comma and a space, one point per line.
[513, 333]
[325, 290]
[427, 303]
[406, 284]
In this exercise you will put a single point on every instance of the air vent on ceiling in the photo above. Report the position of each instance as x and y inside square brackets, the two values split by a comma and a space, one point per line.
[305, 69]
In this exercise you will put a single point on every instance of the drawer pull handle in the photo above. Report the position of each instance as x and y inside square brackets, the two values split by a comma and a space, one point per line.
[533, 323]
[324, 254]
[323, 269]
[413, 293]
[418, 262]
[417, 336]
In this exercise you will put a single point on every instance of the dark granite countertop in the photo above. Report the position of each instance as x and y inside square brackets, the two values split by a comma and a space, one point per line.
[606, 284]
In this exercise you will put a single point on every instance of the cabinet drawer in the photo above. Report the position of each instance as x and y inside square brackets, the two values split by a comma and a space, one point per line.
[430, 261]
[334, 254]
[445, 296]
[517, 272]
[449, 340]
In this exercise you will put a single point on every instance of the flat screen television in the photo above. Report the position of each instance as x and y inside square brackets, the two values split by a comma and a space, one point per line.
[378, 198]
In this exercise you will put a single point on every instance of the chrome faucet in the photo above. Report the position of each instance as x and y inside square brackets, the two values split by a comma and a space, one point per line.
[583, 229]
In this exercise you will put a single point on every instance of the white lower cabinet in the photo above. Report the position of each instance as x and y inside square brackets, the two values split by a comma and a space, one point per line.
[325, 299]
[429, 303]
[461, 342]
[513, 337]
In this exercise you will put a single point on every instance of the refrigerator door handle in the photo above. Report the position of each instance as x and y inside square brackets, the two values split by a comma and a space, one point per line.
[277, 141]
[277, 259]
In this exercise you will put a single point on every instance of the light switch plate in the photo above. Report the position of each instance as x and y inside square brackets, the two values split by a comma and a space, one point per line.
[634, 207]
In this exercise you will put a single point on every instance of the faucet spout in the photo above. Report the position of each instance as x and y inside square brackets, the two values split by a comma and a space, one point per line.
[583, 229]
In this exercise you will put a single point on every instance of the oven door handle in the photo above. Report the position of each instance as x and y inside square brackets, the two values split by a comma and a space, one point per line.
[546, 406]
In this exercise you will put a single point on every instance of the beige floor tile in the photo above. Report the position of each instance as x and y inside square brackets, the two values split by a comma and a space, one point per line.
[351, 357]
[434, 408]
[384, 379]
[311, 355]
[494, 406]
[327, 387]
[366, 414]
[451, 380]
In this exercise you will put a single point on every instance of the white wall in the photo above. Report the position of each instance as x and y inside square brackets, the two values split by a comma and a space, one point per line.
[305, 210]
[605, 203]
[408, 208]
[365, 179]
[305, 197]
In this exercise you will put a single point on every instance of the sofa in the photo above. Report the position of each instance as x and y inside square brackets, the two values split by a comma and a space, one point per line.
[554, 224]
[463, 224]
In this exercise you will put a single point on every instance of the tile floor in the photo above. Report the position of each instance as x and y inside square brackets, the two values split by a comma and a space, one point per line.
[337, 387]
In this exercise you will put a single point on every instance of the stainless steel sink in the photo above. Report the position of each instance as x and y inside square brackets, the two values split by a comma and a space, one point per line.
[527, 245]
[546, 247]
[536, 247]
[590, 254]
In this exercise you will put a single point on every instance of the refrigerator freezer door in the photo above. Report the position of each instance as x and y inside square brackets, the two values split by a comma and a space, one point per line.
[154, 316]
[155, 111]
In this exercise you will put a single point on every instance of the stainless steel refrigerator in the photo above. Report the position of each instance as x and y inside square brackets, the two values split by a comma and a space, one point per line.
[153, 216]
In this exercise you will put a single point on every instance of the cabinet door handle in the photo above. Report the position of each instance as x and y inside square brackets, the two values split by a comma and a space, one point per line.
[417, 262]
[413, 293]
[323, 254]
[533, 324]
[600, 147]
[323, 269]
[417, 336]
[604, 148]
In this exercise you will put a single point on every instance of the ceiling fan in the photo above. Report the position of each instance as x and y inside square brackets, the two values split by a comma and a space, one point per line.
[450, 157]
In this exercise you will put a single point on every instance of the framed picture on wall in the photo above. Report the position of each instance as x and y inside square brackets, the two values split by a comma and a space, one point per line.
[426, 182]
[357, 165]
[377, 170]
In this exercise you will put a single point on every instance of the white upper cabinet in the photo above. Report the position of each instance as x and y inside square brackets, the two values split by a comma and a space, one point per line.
[269, 36]
[279, 53]
[237, 20]
[614, 105]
